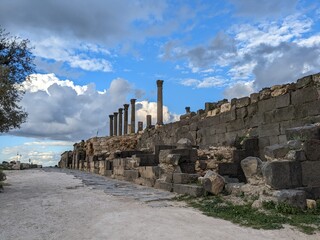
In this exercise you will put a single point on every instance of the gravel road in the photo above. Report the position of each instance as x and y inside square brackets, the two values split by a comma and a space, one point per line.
[66, 204]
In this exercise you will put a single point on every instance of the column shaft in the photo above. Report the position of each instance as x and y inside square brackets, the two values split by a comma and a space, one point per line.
[120, 121]
[159, 103]
[111, 125]
[125, 127]
[133, 115]
[115, 126]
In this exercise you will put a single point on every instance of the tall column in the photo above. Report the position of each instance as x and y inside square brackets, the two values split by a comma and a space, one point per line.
[120, 121]
[111, 125]
[148, 121]
[133, 115]
[115, 126]
[159, 103]
[140, 126]
[125, 127]
[187, 109]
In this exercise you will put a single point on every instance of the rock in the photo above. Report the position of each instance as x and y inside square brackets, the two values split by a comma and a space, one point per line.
[251, 167]
[312, 149]
[184, 143]
[275, 151]
[201, 180]
[294, 144]
[296, 155]
[296, 198]
[311, 204]
[192, 190]
[213, 183]
[212, 164]
[282, 174]
[234, 188]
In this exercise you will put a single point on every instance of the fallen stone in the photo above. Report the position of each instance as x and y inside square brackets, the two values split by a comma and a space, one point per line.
[251, 167]
[310, 173]
[213, 183]
[282, 174]
[234, 188]
[188, 189]
[296, 198]
[296, 155]
[294, 144]
[184, 178]
[275, 151]
[311, 204]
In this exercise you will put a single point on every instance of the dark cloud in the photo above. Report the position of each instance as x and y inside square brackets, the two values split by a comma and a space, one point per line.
[264, 8]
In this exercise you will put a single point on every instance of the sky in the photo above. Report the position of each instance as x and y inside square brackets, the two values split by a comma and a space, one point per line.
[94, 56]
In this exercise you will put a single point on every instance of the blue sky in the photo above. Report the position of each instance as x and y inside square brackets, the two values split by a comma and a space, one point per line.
[94, 56]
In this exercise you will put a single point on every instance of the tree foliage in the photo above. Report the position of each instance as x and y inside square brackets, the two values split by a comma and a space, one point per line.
[16, 64]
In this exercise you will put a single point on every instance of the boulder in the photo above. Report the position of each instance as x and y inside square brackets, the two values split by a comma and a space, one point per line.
[213, 183]
[251, 167]
[184, 143]
[311, 204]
[296, 198]
[275, 151]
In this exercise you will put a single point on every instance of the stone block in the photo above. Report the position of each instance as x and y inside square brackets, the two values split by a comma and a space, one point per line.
[234, 188]
[276, 151]
[284, 114]
[282, 174]
[187, 167]
[108, 173]
[266, 105]
[251, 167]
[304, 82]
[213, 183]
[305, 95]
[144, 182]
[254, 97]
[252, 109]
[296, 198]
[311, 173]
[160, 184]
[282, 101]
[235, 125]
[242, 112]
[311, 192]
[242, 102]
[271, 129]
[312, 149]
[130, 175]
[192, 190]
[184, 178]
[149, 172]
[303, 133]
[229, 169]
[225, 107]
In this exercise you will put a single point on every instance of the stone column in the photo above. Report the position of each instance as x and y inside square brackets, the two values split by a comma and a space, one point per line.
[133, 115]
[148, 121]
[187, 109]
[115, 126]
[125, 127]
[111, 125]
[140, 126]
[159, 103]
[120, 121]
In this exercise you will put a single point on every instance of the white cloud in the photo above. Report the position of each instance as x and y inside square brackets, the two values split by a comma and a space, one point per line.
[206, 82]
[239, 89]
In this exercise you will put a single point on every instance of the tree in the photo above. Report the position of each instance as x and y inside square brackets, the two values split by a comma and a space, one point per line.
[16, 64]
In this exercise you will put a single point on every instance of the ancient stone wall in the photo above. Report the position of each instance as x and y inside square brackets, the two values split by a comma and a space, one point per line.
[265, 115]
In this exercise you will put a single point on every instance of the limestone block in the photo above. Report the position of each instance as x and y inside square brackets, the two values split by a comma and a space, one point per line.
[296, 198]
[282, 174]
[311, 192]
[108, 173]
[252, 109]
[271, 129]
[234, 188]
[213, 183]
[294, 144]
[118, 171]
[225, 107]
[242, 112]
[161, 184]
[282, 100]
[149, 172]
[312, 149]
[311, 173]
[265, 93]
[296, 155]
[229, 169]
[184, 143]
[242, 102]
[304, 82]
[184, 178]
[276, 151]
[305, 95]
[144, 182]
[281, 90]
[251, 166]
[311, 131]
[266, 105]
[283, 114]
[192, 190]
[311, 204]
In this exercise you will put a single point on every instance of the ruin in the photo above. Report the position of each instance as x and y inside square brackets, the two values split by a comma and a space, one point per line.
[266, 145]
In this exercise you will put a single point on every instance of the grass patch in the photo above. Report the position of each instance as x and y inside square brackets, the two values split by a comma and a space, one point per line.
[271, 216]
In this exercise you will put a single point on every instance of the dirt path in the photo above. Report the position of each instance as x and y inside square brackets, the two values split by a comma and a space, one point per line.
[47, 205]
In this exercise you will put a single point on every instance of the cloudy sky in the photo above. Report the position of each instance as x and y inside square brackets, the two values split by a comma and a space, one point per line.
[94, 56]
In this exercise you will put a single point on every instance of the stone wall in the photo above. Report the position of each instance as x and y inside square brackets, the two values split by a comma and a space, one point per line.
[265, 115]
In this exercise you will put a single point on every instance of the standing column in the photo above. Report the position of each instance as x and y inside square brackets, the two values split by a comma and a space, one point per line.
[187, 109]
[148, 121]
[140, 126]
[125, 127]
[111, 125]
[159, 103]
[133, 115]
[120, 121]
[115, 126]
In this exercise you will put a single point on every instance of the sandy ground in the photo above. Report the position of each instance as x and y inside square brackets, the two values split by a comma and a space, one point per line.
[55, 205]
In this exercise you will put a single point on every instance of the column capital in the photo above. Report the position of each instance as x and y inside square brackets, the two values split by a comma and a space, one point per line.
[133, 100]
[111, 116]
[126, 106]
[120, 110]
[115, 113]
[159, 83]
